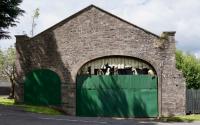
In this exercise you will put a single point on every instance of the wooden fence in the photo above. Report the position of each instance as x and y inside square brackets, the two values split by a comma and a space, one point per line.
[193, 101]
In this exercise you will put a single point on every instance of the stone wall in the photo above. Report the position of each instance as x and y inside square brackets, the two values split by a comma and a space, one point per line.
[94, 33]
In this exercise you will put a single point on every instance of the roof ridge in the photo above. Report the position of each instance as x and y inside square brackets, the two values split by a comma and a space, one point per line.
[64, 20]
[85, 9]
[125, 21]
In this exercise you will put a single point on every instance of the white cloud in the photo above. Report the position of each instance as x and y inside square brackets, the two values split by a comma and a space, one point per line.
[180, 16]
[154, 15]
[197, 54]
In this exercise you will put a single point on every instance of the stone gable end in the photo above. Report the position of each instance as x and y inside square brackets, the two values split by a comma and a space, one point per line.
[93, 33]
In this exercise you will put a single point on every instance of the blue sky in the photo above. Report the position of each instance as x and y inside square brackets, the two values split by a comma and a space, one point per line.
[156, 16]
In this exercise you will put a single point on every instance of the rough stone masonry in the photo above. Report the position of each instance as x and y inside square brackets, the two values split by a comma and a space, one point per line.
[92, 33]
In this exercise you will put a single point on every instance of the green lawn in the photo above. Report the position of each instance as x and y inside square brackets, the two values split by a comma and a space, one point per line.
[7, 102]
[183, 118]
[30, 108]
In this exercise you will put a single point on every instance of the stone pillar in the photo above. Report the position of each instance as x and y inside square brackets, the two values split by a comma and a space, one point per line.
[69, 99]
[19, 87]
[170, 37]
[173, 85]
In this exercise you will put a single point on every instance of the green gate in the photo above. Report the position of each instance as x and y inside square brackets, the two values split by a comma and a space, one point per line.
[42, 87]
[117, 95]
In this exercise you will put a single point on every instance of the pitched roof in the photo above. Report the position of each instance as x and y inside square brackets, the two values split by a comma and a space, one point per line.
[88, 8]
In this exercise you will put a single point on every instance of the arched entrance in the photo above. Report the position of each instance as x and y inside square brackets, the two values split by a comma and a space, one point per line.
[42, 87]
[117, 86]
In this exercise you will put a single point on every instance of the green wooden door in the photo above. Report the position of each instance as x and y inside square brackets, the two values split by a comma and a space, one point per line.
[42, 87]
[117, 95]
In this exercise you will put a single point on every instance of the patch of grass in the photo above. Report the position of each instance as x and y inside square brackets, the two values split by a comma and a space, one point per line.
[6, 102]
[183, 118]
[30, 108]
[41, 110]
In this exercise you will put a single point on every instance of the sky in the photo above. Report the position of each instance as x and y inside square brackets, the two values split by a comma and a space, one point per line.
[156, 16]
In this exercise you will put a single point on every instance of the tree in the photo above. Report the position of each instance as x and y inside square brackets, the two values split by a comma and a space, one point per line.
[9, 11]
[35, 16]
[7, 67]
[1, 64]
[190, 66]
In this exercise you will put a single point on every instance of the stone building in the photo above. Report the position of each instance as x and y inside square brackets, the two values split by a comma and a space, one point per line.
[76, 45]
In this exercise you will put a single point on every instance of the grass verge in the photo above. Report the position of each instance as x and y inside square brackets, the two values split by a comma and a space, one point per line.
[183, 118]
[51, 111]
[6, 102]
[30, 108]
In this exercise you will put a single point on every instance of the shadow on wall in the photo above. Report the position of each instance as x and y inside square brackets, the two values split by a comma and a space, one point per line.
[105, 97]
[40, 52]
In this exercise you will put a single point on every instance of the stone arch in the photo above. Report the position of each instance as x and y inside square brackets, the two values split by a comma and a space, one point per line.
[158, 66]
[54, 69]
[78, 95]
[125, 57]
[147, 60]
